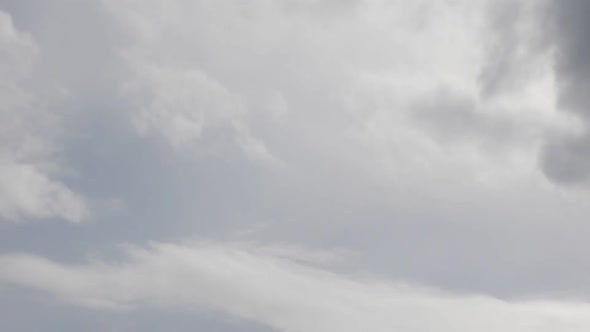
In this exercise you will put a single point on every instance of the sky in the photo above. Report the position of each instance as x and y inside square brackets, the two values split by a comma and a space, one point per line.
[294, 165]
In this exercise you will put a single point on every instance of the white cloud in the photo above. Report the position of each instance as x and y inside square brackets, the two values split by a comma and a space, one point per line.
[349, 74]
[173, 93]
[180, 103]
[335, 95]
[254, 284]
[27, 191]
[28, 187]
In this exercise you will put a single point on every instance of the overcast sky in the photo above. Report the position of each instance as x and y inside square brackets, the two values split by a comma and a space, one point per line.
[295, 165]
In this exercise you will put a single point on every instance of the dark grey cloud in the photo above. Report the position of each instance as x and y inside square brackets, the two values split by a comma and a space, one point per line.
[566, 159]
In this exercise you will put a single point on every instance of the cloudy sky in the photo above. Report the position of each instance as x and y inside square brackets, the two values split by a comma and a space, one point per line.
[295, 165]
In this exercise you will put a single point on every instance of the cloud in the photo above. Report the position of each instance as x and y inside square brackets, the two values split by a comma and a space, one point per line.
[186, 107]
[244, 282]
[198, 81]
[565, 158]
[516, 46]
[27, 192]
[176, 95]
[409, 131]
[450, 115]
[29, 188]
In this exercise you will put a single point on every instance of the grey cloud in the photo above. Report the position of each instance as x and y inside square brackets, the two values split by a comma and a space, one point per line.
[332, 179]
[167, 109]
[566, 159]
[455, 116]
[573, 48]
[517, 42]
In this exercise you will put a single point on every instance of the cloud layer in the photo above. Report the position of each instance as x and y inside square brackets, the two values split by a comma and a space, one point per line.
[248, 283]
[439, 143]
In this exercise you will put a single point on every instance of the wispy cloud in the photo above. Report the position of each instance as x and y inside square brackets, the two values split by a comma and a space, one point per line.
[29, 187]
[278, 292]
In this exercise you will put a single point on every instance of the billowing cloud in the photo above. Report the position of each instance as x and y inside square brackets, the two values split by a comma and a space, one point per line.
[207, 77]
[186, 108]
